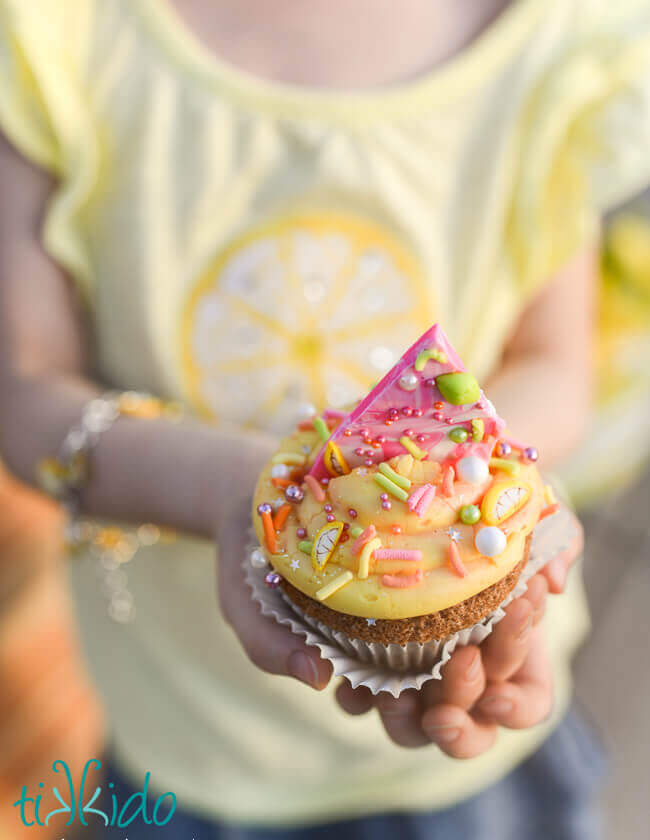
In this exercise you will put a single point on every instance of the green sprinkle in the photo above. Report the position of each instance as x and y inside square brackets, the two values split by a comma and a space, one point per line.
[458, 435]
[356, 531]
[321, 427]
[413, 448]
[401, 480]
[458, 388]
[470, 514]
[478, 429]
[306, 546]
[390, 487]
[425, 355]
[511, 467]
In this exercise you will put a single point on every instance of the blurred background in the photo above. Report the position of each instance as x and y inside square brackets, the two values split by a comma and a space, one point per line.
[49, 709]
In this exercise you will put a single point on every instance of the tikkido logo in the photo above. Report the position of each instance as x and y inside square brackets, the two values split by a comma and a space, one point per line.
[32, 809]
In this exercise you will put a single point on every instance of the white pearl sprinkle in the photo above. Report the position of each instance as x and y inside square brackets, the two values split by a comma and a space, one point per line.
[279, 471]
[409, 381]
[472, 469]
[257, 558]
[490, 541]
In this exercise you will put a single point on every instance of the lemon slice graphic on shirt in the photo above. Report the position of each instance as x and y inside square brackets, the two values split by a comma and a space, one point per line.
[302, 312]
[503, 500]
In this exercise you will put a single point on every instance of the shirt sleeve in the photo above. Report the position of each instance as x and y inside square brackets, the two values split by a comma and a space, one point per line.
[586, 137]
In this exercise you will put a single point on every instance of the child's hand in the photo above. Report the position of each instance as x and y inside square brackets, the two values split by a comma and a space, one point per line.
[506, 681]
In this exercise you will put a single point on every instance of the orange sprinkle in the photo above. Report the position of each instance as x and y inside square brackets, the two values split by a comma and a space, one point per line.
[280, 482]
[549, 511]
[453, 555]
[448, 481]
[315, 488]
[364, 537]
[269, 533]
[281, 517]
[402, 581]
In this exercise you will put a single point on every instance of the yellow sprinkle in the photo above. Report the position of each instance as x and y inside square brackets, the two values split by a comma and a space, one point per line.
[549, 495]
[478, 429]
[425, 355]
[289, 458]
[366, 554]
[511, 467]
[413, 448]
[321, 427]
[334, 585]
[398, 479]
[390, 487]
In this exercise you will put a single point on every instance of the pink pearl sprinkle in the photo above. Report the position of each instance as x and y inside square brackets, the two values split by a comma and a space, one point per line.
[327, 508]
[408, 432]
[386, 505]
[301, 533]
[437, 415]
[421, 438]
[449, 421]
[358, 451]
[381, 439]
[352, 513]
[384, 497]
[368, 462]
[418, 412]
[330, 517]
[407, 411]
[363, 433]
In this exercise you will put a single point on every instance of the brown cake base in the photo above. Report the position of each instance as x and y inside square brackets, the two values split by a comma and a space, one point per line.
[422, 628]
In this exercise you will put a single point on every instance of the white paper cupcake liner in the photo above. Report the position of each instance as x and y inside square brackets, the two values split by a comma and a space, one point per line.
[394, 668]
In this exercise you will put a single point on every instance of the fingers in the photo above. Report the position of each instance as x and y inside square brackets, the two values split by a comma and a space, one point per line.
[525, 700]
[506, 648]
[401, 718]
[557, 569]
[456, 732]
[268, 645]
[536, 595]
[354, 701]
[462, 683]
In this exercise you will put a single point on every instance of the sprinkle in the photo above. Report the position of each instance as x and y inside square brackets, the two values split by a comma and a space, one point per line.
[549, 495]
[273, 580]
[295, 564]
[390, 486]
[511, 467]
[352, 513]
[269, 532]
[453, 556]
[362, 538]
[478, 429]
[415, 497]
[413, 555]
[425, 500]
[413, 448]
[356, 531]
[395, 477]
[321, 427]
[364, 559]
[315, 488]
[289, 458]
[294, 494]
[425, 355]
[334, 585]
[396, 529]
[371, 622]
[549, 511]
[301, 533]
[281, 482]
[334, 413]
[453, 534]
[387, 505]
[448, 481]
[458, 434]
[402, 581]
[503, 448]
[530, 453]
[281, 517]
[306, 546]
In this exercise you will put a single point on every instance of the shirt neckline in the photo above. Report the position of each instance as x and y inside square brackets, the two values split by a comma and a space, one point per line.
[488, 52]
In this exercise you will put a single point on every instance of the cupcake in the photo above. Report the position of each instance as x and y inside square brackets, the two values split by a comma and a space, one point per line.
[408, 519]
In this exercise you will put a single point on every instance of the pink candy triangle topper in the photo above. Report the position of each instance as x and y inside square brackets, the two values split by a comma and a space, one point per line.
[427, 405]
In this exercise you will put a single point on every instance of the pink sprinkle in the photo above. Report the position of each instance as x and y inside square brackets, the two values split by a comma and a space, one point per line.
[369, 534]
[333, 412]
[415, 497]
[437, 415]
[453, 555]
[425, 500]
[418, 412]
[448, 481]
[516, 444]
[314, 488]
[402, 581]
[411, 554]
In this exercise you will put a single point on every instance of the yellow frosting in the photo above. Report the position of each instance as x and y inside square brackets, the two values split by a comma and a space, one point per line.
[368, 597]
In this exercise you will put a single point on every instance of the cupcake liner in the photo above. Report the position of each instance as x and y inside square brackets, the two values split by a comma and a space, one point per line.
[394, 668]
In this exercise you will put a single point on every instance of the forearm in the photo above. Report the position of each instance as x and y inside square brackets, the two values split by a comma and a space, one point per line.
[183, 474]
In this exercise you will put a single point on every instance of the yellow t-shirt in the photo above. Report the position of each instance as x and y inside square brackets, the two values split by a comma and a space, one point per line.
[248, 247]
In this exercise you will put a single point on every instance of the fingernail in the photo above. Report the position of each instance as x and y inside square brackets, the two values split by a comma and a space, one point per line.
[496, 705]
[557, 572]
[525, 627]
[475, 666]
[442, 734]
[302, 668]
